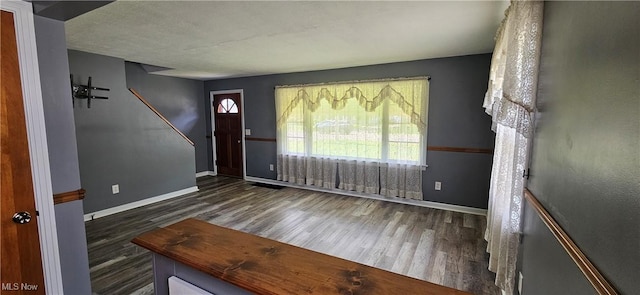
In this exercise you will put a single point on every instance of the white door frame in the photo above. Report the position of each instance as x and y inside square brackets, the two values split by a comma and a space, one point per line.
[213, 128]
[37, 136]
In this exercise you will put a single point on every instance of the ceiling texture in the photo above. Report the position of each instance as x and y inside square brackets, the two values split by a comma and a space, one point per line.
[221, 39]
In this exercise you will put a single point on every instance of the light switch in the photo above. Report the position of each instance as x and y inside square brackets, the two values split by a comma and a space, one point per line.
[247, 132]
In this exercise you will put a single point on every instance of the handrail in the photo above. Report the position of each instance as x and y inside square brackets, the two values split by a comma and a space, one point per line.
[159, 115]
[594, 276]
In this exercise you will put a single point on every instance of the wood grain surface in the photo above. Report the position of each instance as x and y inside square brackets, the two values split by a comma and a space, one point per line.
[68, 196]
[269, 267]
[459, 149]
[21, 267]
[251, 138]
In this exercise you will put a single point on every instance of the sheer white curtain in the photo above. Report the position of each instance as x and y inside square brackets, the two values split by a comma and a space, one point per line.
[510, 100]
[359, 176]
[401, 180]
[363, 136]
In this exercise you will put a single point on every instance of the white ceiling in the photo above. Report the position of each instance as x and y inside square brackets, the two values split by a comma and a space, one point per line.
[214, 39]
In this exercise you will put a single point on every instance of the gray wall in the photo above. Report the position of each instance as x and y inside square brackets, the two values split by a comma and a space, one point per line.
[586, 155]
[456, 119]
[63, 155]
[121, 141]
[181, 101]
[72, 244]
[56, 96]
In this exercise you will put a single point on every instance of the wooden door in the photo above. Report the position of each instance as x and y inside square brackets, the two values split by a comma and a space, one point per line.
[228, 134]
[21, 271]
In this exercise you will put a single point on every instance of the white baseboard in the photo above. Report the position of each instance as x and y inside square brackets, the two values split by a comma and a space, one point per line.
[136, 204]
[427, 204]
[205, 173]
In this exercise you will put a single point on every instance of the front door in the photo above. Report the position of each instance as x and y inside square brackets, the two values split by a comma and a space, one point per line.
[228, 134]
[21, 271]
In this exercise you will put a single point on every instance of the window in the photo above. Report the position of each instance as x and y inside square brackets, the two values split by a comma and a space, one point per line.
[383, 121]
[227, 106]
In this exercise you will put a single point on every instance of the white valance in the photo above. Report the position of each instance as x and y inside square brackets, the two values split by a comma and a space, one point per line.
[513, 78]
[408, 93]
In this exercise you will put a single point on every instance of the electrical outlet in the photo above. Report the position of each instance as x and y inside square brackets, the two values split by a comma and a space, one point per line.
[271, 167]
[115, 188]
[520, 283]
[247, 132]
[438, 185]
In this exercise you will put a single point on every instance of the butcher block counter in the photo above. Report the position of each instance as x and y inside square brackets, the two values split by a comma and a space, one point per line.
[225, 261]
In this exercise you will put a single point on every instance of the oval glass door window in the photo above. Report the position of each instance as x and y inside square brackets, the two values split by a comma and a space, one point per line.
[227, 106]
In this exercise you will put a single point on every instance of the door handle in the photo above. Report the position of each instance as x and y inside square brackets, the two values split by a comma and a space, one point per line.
[22, 217]
[238, 140]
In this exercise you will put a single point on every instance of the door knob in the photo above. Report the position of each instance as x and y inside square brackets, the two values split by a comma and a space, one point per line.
[238, 140]
[22, 217]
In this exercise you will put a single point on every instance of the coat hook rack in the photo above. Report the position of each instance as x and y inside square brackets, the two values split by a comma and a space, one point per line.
[84, 92]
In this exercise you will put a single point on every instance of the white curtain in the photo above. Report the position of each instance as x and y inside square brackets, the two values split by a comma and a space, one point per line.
[320, 172]
[401, 180]
[510, 100]
[359, 176]
[363, 136]
[410, 94]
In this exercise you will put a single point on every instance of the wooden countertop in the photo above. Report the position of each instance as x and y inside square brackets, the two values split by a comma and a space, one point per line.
[265, 266]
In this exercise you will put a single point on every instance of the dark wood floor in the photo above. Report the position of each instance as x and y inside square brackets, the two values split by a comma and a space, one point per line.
[435, 245]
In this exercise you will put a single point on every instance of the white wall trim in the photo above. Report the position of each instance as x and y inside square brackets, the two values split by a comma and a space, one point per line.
[205, 173]
[427, 204]
[213, 128]
[129, 206]
[38, 150]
